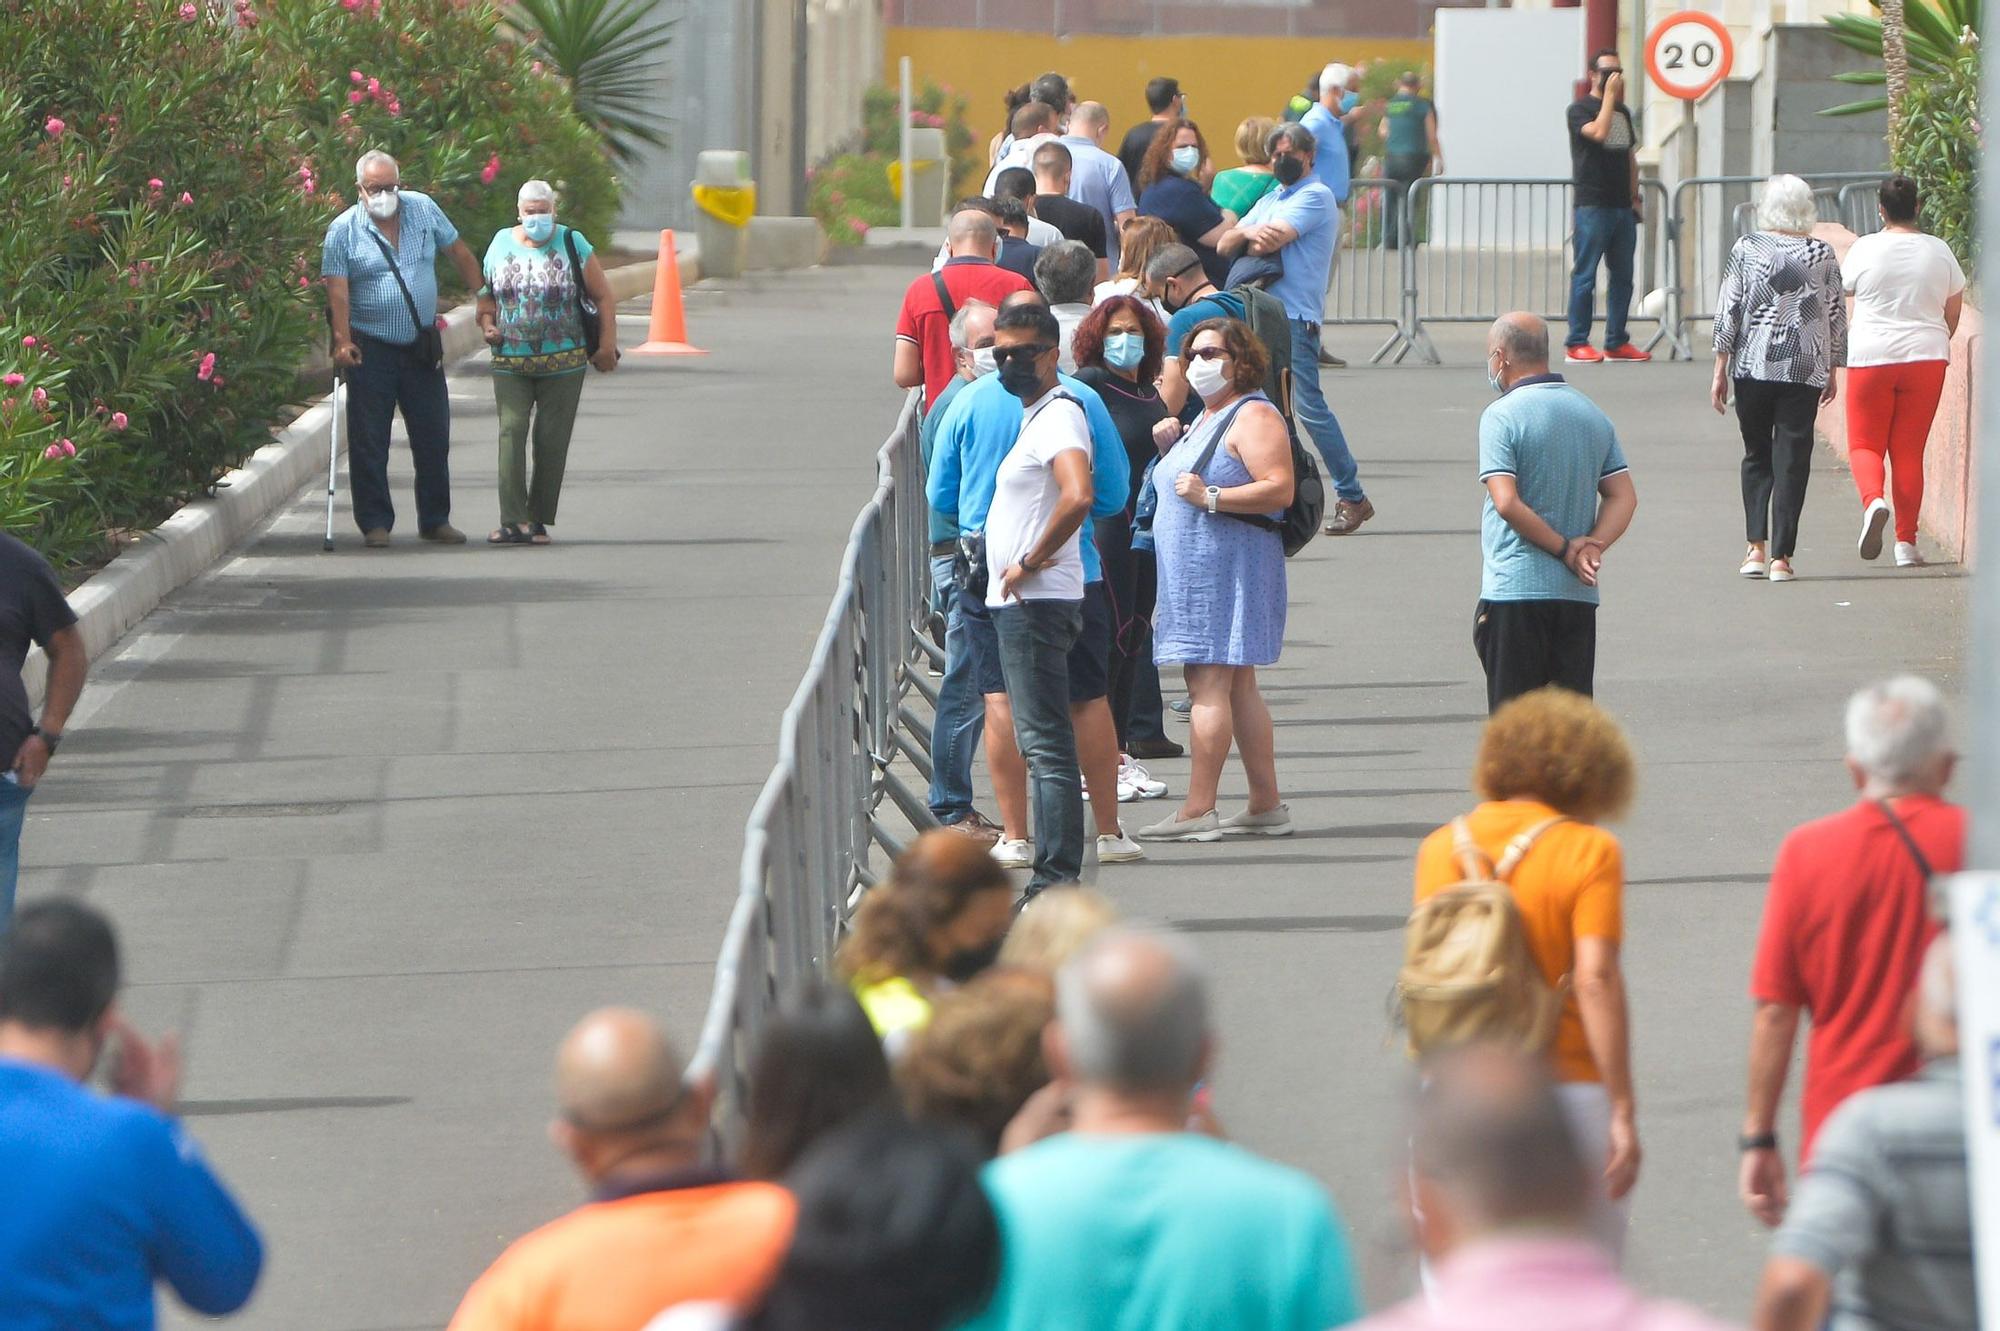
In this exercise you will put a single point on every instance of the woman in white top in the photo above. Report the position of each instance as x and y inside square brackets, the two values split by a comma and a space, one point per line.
[1908, 290]
[1139, 239]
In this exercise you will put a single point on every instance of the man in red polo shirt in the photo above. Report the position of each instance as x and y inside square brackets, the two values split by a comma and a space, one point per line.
[1846, 923]
[923, 329]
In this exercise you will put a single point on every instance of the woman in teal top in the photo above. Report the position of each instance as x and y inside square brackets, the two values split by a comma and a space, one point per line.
[530, 315]
[1236, 189]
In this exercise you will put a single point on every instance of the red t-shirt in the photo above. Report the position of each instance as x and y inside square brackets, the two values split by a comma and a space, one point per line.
[1845, 927]
[924, 322]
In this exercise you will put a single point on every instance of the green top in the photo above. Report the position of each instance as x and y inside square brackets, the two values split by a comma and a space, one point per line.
[1403, 125]
[1239, 187]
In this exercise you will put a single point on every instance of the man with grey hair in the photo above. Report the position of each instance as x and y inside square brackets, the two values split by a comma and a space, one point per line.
[380, 265]
[1846, 922]
[1558, 495]
[1881, 1231]
[923, 328]
[1065, 275]
[1501, 1202]
[1128, 1218]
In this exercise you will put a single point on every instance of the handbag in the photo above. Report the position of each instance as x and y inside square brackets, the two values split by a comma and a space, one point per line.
[586, 307]
[428, 350]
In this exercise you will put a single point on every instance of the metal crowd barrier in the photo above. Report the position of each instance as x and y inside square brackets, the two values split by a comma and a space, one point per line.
[808, 849]
[1367, 285]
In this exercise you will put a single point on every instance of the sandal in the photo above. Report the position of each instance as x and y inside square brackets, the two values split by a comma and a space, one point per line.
[538, 534]
[508, 536]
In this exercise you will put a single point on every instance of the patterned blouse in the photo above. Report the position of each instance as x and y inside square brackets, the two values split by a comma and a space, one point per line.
[1781, 317]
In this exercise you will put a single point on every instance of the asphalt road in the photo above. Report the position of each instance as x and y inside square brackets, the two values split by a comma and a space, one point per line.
[379, 825]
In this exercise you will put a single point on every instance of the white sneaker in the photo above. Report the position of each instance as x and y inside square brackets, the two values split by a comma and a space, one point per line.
[1272, 822]
[1117, 848]
[1205, 828]
[1014, 854]
[1133, 777]
[1908, 556]
[1873, 520]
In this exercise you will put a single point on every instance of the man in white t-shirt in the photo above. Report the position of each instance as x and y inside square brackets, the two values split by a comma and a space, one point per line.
[1035, 580]
[1033, 125]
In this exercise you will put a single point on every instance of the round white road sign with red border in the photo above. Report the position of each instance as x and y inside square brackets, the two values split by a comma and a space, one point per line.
[1688, 53]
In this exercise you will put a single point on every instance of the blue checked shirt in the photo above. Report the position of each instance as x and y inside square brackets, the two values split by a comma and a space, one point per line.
[375, 304]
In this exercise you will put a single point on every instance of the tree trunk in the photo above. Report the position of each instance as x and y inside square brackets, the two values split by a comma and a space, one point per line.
[1896, 65]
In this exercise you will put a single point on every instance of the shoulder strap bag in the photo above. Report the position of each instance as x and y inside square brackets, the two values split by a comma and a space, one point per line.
[428, 350]
[586, 308]
[1909, 842]
[944, 295]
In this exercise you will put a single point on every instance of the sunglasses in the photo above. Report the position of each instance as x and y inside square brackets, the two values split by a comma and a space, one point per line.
[1209, 353]
[1029, 351]
[380, 189]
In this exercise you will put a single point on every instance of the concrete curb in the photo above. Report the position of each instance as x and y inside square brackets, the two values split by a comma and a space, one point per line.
[190, 542]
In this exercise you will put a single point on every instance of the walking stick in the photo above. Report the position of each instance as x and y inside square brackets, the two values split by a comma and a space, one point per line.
[333, 445]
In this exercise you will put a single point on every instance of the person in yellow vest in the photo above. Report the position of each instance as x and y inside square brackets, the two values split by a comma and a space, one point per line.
[938, 921]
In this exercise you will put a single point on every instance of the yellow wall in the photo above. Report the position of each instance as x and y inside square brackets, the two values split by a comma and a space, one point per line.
[1226, 78]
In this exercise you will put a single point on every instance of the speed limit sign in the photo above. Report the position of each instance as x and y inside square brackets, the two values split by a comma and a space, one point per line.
[1688, 53]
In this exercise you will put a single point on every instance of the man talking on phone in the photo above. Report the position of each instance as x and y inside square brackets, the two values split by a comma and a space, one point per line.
[1606, 179]
[105, 1194]
[32, 610]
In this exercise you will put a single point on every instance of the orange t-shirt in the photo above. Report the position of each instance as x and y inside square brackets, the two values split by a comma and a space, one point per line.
[1570, 885]
[615, 1265]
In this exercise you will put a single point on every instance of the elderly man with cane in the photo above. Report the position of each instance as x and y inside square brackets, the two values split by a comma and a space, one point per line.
[380, 265]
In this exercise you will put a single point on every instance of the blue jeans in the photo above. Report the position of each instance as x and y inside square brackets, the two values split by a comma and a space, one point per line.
[385, 380]
[1607, 236]
[13, 812]
[1313, 412]
[961, 712]
[1035, 641]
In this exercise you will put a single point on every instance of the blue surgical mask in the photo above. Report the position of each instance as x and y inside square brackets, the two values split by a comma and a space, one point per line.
[1493, 379]
[1186, 160]
[1124, 351]
[539, 226]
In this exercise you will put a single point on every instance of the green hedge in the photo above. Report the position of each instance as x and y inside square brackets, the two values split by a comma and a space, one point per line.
[167, 170]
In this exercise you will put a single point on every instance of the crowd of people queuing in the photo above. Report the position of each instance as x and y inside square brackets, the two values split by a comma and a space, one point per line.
[997, 1113]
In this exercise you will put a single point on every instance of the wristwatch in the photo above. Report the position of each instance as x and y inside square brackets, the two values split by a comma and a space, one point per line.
[51, 738]
[1761, 1141]
[1214, 497]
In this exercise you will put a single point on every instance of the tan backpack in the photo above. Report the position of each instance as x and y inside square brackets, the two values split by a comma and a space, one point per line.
[1468, 974]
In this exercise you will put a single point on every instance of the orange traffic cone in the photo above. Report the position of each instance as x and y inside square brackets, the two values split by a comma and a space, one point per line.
[667, 336]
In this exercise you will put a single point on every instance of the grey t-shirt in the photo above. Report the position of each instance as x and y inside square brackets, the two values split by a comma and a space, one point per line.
[1885, 1208]
[32, 609]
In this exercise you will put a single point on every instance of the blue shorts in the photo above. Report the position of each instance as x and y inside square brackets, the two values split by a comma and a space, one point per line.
[1089, 660]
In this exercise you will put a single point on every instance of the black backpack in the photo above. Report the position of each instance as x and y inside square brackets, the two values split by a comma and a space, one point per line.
[1300, 521]
[1265, 314]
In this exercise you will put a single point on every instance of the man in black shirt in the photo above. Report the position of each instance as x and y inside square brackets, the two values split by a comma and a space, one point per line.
[1168, 103]
[1077, 221]
[32, 609]
[1606, 176]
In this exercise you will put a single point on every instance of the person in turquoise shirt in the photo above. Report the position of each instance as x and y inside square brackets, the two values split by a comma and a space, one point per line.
[1128, 1222]
[531, 317]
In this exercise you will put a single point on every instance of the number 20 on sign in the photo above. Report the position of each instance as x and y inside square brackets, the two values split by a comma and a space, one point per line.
[1688, 53]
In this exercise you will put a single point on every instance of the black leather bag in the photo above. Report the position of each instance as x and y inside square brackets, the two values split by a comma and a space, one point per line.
[586, 307]
[428, 350]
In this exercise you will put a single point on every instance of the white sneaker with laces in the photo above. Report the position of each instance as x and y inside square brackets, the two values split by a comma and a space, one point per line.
[1873, 521]
[1014, 854]
[1133, 776]
[1908, 556]
[1117, 848]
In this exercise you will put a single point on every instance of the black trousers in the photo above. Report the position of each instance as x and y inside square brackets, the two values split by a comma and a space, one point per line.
[385, 380]
[1525, 645]
[1777, 424]
[1407, 169]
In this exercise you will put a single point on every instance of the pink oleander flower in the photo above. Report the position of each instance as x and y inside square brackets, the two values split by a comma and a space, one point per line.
[535, 65]
[219, 381]
[10, 403]
[156, 184]
[354, 97]
[119, 420]
[31, 341]
[395, 107]
[69, 449]
[491, 171]
[54, 127]
[189, 13]
[54, 452]
[440, 323]
[350, 5]
[356, 76]
[40, 397]
[186, 198]
[14, 380]
[207, 369]
[374, 87]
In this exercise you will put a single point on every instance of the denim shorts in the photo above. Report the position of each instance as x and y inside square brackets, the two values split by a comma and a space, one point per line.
[1090, 659]
[982, 643]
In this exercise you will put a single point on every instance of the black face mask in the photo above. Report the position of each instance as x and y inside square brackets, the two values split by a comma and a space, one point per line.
[1289, 170]
[967, 962]
[1022, 379]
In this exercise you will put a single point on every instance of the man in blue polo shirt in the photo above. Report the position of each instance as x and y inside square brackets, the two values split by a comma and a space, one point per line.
[103, 1195]
[1558, 494]
[1300, 222]
[974, 437]
[380, 266]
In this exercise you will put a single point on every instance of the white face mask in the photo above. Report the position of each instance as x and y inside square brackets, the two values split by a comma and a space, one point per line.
[384, 205]
[1208, 378]
[982, 360]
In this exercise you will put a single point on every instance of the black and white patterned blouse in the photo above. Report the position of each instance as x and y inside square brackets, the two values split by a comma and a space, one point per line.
[1781, 317]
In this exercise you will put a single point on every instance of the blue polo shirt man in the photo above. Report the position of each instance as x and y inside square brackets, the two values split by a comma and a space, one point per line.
[1300, 222]
[379, 260]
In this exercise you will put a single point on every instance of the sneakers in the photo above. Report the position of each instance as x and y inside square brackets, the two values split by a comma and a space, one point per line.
[1180, 707]
[974, 828]
[1348, 515]
[1908, 556]
[1781, 570]
[1272, 822]
[1754, 564]
[1014, 854]
[1625, 351]
[1157, 748]
[1205, 828]
[1117, 848]
[1874, 521]
[1136, 783]
[1582, 355]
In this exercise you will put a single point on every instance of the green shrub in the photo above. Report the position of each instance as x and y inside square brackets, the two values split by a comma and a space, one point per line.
[152, 232]
[850, 193]
[442, 87]
[1940, 148]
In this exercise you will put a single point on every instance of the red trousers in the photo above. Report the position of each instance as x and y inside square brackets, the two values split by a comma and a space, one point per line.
[1889, 411]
